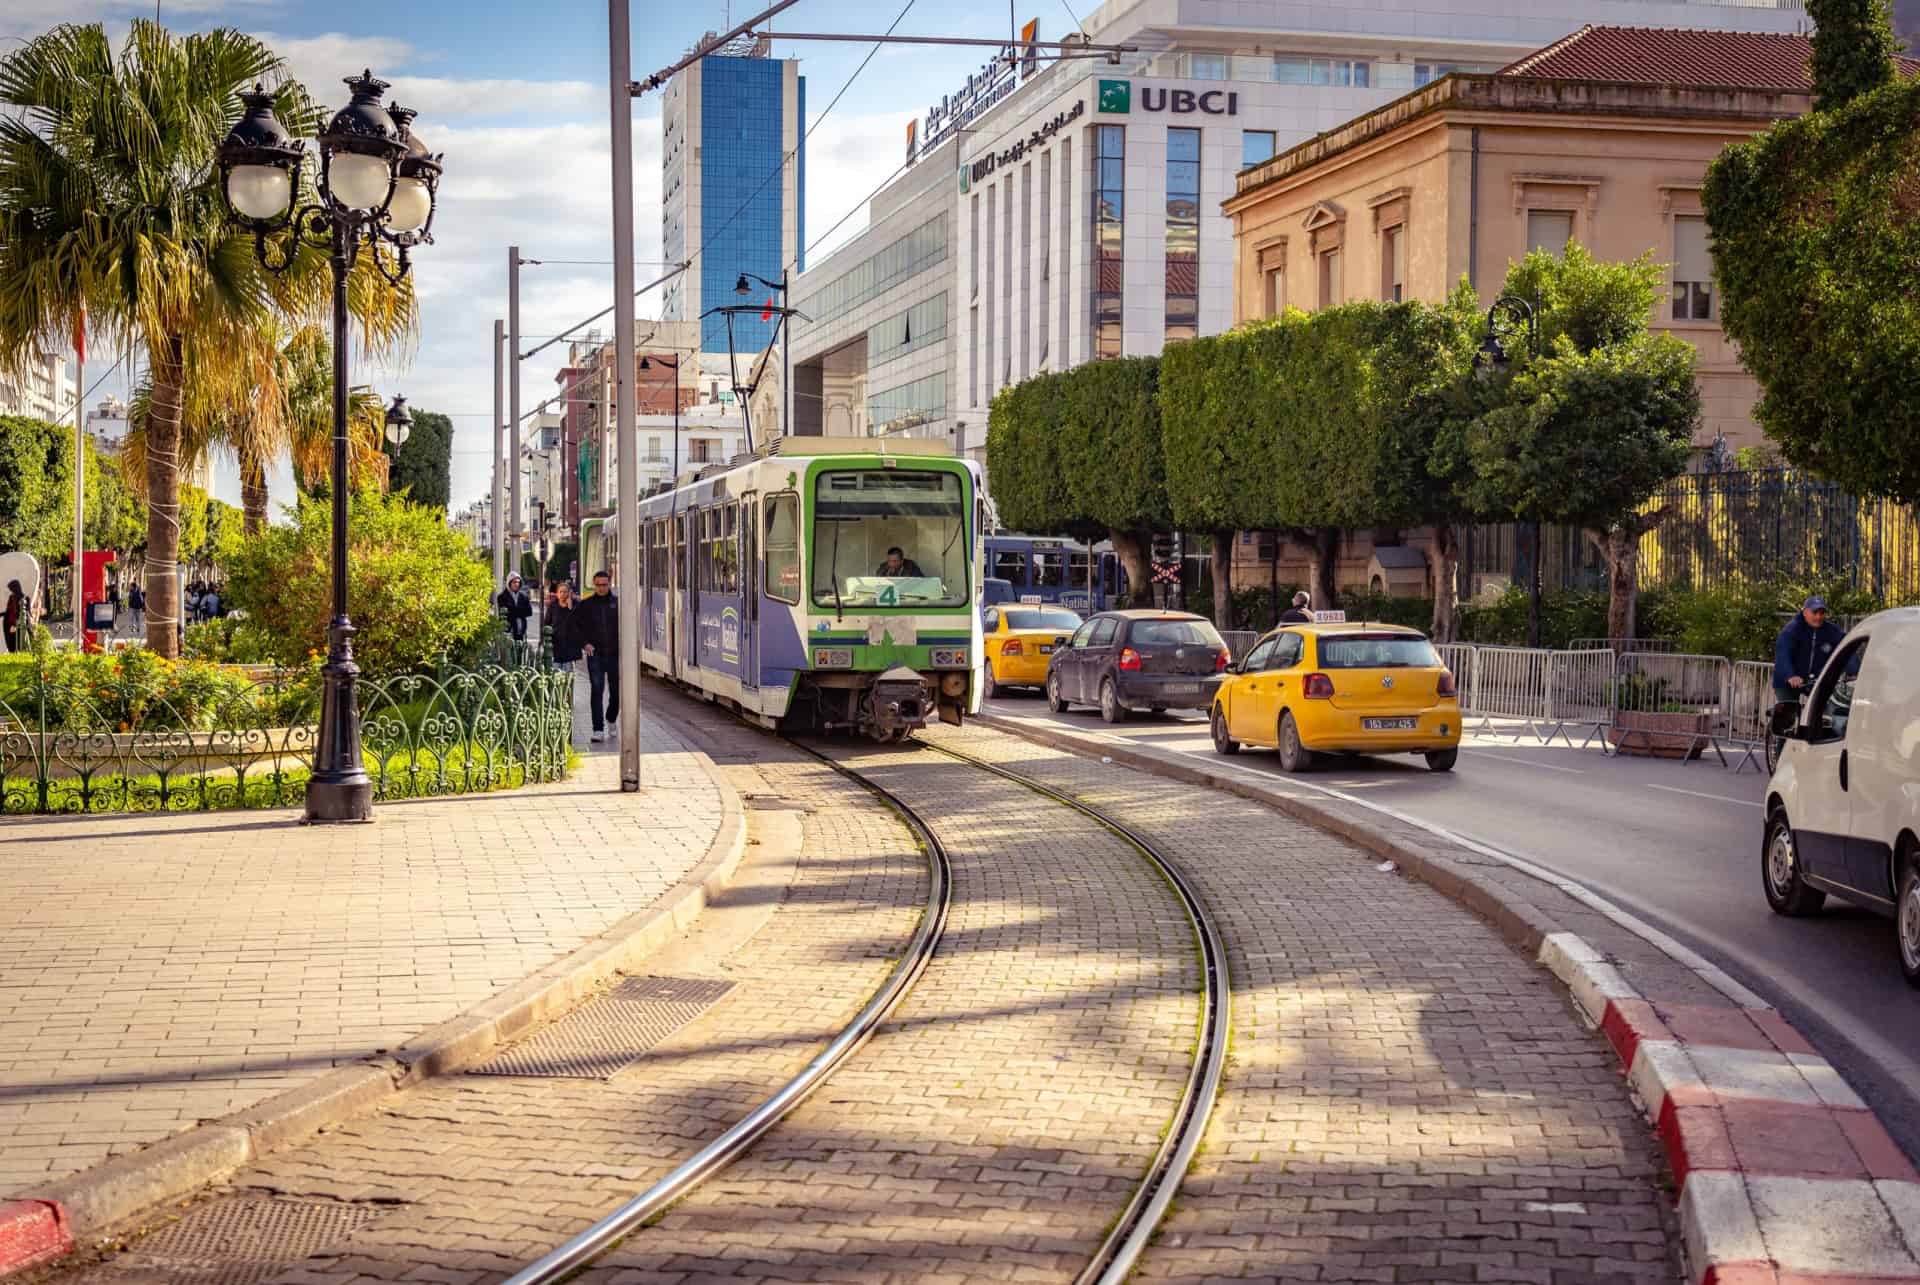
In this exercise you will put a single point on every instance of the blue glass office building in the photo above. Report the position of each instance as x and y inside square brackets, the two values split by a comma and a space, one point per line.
[729, 194]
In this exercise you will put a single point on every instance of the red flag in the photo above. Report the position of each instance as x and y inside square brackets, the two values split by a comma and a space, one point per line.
[80, 336]
[766, 313]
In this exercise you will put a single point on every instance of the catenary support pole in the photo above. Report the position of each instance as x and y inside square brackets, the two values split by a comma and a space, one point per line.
[79, 491]
[627, 463]
[499, 448]
[517, 529]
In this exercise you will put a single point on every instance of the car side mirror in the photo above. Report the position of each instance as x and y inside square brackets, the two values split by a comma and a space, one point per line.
[1786, 723]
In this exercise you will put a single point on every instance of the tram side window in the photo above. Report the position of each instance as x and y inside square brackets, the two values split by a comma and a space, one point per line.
[709, 521]
[1011, 565]
[783, 547]
[1049, 568]
[727, 563]
[1077, 571]
[657, 555]
[680, 550]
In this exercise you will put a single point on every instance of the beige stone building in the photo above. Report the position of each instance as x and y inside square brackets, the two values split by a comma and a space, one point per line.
[1603, 137]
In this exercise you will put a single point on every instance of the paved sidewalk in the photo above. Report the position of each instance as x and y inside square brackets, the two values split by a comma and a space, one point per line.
[157, 971]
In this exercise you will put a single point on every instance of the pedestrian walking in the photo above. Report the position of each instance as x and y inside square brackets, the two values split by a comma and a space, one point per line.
[1301, 612]
[596, 625]
[17, 614]
[137, 606]
[210, 604]
[562, 613]
[516, 608]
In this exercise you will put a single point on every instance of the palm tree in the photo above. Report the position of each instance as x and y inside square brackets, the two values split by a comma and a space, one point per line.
[110, 209]
[287, 415]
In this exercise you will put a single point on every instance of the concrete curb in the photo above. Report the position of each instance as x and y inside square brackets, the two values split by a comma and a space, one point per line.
[1786, 1177]
[40, 1227]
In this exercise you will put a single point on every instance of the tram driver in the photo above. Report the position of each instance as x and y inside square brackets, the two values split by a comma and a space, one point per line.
[898, 564]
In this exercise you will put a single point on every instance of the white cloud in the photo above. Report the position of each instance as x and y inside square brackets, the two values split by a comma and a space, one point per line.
[322, 62]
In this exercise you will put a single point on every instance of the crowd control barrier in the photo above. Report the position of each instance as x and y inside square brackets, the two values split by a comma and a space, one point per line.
[1239, 642]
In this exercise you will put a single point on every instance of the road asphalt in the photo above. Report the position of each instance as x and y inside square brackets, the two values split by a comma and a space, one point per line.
[1677, 844]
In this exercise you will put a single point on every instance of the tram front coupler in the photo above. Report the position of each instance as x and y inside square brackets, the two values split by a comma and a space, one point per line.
[896, 704]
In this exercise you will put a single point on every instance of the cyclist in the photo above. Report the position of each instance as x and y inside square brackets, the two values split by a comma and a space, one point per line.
[1801, 649]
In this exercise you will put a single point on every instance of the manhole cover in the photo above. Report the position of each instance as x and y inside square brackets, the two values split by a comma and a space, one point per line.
[606, 1035]
[238, 1241]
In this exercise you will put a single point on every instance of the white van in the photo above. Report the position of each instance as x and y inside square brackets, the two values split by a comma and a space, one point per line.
[1843, 808]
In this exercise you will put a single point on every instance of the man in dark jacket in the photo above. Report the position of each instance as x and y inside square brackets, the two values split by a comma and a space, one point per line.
[1300, 613]
[516, 608]
[1802, 648]
[596, 627]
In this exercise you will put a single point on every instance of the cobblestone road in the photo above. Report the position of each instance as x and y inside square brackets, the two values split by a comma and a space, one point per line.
[1407, 1100]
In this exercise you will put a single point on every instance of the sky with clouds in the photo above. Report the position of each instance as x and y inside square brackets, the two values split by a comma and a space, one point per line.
[515, 93]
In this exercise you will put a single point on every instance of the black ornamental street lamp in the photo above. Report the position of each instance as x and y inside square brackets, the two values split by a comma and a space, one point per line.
[399, 425]
[1506, 319]
[375, 191]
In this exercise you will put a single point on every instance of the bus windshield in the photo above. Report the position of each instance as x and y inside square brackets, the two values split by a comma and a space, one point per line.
[889, 538]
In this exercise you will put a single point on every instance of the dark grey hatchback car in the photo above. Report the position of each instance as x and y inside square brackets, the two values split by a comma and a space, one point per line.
[1126, 660]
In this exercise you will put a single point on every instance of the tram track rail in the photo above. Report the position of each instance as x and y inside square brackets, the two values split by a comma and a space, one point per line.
[562, 1262]
[1132, 1230]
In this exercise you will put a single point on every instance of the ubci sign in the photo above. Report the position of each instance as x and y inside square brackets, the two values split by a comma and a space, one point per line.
[1116, 99]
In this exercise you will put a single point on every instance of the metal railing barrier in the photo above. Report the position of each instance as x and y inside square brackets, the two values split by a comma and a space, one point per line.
[1749, 712]
[1580, 688]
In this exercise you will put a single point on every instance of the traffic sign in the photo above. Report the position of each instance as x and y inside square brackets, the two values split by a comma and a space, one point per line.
[1166, 573]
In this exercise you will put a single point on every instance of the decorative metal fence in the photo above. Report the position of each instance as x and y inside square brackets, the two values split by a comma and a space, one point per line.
[239, 741]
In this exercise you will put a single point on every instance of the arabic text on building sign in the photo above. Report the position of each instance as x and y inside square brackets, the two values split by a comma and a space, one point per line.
[1033, 142]
[997, 78]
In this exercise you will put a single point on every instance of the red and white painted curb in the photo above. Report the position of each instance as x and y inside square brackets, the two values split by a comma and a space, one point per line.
[1786, 1177]
[32, 1232]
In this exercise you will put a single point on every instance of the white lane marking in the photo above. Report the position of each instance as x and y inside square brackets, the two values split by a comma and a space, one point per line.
[1706, 969]
[1508, 758]
[1700, 794]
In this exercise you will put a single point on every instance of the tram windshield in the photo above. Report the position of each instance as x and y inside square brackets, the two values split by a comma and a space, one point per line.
[889, 538]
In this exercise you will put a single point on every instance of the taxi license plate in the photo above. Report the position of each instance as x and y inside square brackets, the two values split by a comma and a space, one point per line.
[1046, 649]
[1182, 689]
[1390, 724]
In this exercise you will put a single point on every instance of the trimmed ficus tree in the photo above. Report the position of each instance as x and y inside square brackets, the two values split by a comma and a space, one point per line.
[1816, 243]
[1108, 445]
[1025, 473]
[1216, 453]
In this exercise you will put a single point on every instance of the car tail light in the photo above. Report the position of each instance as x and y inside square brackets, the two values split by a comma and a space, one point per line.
[1318, 687]
[1013, 648]
[1447, 687]
[1220, 661]
[1129, 659]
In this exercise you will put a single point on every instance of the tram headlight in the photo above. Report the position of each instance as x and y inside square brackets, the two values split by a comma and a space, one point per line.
[949, 657]
[833, 658]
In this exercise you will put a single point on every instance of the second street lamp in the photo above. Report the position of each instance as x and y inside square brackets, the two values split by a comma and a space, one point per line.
[741, 287]
[374, 192]
[399, 424]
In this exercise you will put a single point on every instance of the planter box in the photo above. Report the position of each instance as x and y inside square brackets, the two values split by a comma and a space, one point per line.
[1650, 734]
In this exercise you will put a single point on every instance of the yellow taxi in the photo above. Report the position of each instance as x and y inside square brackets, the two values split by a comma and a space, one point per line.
[1307, 690]
[1020, 638]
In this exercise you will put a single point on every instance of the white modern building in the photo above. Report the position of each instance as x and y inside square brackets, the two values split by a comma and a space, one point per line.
[41, 389]
[107, 423]
[1073, 211]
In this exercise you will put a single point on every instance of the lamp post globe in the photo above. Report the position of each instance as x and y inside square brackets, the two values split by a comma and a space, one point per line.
[375, 191]
[260, 165]
[399, 422]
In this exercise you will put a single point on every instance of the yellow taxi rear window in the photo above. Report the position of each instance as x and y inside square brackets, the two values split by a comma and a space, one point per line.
[1376, 651]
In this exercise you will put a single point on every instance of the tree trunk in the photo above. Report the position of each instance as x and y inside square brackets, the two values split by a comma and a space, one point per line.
[1443, 558]
[1131, 546]
[1222, 540]
[253, 494]
[1619, 546]
[1326, 553]
[167, 370]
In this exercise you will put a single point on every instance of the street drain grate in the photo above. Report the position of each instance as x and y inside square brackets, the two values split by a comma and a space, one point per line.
[237, 1241]
[608, 1034]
